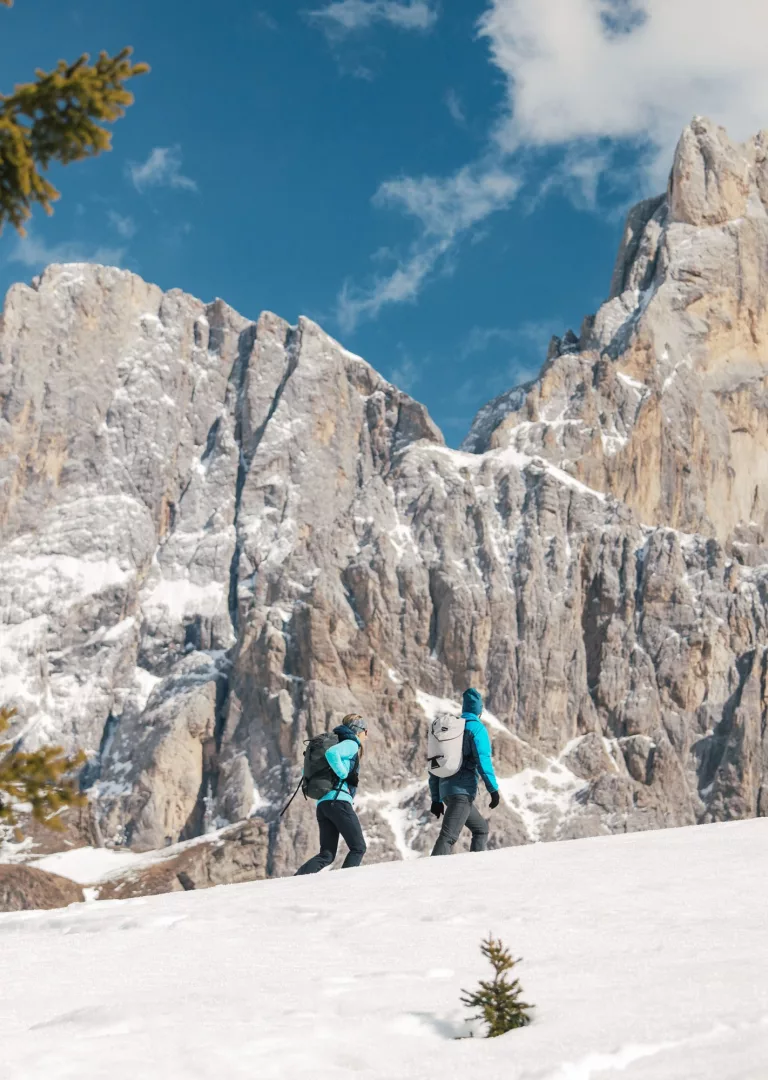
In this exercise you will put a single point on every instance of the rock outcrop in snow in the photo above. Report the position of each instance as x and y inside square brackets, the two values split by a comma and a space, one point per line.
[218, 536]
[25, 888]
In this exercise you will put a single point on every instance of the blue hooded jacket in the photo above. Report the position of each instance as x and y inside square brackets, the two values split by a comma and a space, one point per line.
[342, 758]
[477, 757]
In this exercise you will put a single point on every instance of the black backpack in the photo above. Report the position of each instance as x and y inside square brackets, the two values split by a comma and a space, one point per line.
[318, 778]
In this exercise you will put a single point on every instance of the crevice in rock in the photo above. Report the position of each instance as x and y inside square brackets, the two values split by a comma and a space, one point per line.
[247, 340]
[210, 442]
[273, 833]
[292, 348]
[222, 700]
[349, 595]
[712, 750]
[594, 624]
[91, 771]
[432, 642]
[246, 455]
[639, 575]
[195, 824]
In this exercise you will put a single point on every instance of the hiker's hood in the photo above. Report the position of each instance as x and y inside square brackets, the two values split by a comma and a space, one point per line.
[472, 702]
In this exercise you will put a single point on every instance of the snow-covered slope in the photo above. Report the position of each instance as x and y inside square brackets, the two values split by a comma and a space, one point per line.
[644, 955]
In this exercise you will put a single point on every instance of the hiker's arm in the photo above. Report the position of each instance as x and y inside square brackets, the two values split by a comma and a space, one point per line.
[340, 756]
[484, 759]
[434, 788]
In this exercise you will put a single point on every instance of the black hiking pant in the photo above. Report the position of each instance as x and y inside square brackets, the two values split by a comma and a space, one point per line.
[336, 818]
[460, 810]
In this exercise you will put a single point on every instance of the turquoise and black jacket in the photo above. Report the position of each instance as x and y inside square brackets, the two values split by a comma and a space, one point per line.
[343, 759]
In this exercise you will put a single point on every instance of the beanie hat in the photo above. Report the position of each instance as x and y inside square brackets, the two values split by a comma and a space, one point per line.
[472, 702]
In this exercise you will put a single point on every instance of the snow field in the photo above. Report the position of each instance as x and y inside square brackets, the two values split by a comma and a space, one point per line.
[643, 954]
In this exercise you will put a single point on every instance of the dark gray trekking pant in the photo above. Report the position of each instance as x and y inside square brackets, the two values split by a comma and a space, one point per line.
[460, 810]
[336, 818]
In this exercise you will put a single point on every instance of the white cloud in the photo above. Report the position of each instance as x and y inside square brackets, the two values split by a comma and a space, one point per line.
[526, 346]
[584, 79]
[404, 284]
[455, 107]
[406, 375]
[30, 251]
[161, 169]
[480, 338]
[446, 210]
[124, 226]
[346, 16]
[530, 339]
[448, 207]
[263, 18]
[630, 70]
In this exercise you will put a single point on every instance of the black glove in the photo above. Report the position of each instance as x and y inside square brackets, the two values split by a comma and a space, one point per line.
[437, 809]
[494, 800]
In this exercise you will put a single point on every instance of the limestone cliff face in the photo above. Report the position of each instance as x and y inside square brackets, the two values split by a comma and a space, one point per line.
[660, 400]
[218, 536]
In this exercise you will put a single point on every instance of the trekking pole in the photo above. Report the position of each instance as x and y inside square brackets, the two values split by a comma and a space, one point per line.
[296, 792]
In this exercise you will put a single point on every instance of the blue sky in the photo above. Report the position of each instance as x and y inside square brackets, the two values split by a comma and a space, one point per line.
[439, 183]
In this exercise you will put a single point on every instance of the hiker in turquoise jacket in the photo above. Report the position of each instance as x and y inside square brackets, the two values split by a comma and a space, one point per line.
[335, 813]
[455, 795]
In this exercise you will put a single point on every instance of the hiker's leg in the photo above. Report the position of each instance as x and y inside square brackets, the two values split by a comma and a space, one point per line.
[329, 843]
[348, 824]
[457, 809]
[478, 826]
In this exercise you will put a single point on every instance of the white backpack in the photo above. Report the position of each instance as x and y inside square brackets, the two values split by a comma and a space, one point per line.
[445, 745]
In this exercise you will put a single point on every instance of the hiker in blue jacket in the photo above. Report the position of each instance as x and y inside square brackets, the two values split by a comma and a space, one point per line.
[454, 795]
[335, 813]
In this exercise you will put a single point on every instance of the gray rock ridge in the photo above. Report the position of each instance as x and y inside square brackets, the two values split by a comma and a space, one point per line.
[659, 400]
[217, 536]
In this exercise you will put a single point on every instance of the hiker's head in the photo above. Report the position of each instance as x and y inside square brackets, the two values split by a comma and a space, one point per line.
[472, 702]
[356, 725]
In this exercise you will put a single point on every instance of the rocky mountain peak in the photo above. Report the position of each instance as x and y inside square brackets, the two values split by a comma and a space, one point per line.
[714, 180]
[660, 400]
[217, 536]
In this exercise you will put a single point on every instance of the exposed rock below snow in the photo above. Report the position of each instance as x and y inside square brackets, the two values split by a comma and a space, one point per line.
[219, 536]
[23, 888]
[229, 857]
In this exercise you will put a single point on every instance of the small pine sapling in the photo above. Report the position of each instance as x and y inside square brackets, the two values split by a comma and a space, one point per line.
[498, 1001]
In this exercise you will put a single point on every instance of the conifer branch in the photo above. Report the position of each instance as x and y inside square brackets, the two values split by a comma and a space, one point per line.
[57, 118]
[43, 778]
